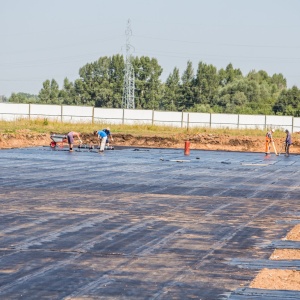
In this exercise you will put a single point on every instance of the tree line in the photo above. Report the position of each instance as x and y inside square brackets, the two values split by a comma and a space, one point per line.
[204, 89]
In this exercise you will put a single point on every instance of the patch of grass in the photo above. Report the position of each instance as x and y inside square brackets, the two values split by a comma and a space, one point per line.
[47, 126]
[45, 122]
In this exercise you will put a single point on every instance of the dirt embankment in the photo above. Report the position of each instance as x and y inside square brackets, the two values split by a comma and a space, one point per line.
[26, 138]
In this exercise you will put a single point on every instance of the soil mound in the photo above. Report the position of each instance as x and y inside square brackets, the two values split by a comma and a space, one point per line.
[25, 138]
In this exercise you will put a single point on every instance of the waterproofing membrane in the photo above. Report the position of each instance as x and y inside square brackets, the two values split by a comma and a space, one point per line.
[249, 294]
[284, 244]
[149, 224]
[267, 263]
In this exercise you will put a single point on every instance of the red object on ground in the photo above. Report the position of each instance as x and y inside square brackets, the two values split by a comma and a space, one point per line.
[186, 148]
[58, 140]
[52, 144]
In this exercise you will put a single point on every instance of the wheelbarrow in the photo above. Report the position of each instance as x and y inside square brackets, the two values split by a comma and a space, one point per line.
[58, 140]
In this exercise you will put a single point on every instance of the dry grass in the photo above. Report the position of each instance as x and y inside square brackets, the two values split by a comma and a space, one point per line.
[46, 126]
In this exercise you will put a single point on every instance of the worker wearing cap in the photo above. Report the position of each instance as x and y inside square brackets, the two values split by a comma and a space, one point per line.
[269, 140]
[288, 142]
[102, 137]
[109, 135]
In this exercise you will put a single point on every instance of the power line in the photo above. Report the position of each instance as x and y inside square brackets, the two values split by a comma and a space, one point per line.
[217, 44]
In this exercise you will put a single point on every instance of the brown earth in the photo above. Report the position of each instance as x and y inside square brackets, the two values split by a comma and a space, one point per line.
[26, 138]
[285, 254]
[276, 279]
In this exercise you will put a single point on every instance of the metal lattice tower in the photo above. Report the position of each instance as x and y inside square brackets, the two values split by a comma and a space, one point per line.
[129, 82]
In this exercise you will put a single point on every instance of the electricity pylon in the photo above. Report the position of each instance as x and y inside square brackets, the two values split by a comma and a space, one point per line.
[129, 82]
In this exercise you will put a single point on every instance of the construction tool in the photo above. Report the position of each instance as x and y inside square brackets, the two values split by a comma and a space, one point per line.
[176, 160]
[273, 144]
[90, 147]
[58, 140]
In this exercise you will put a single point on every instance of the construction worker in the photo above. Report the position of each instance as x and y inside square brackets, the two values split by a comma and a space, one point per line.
[288, 142]
[109, 135]
[70, 137]
[102, 137]
[269, 140]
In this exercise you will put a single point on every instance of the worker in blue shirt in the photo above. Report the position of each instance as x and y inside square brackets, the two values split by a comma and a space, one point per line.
[102, 137]
[109, 135]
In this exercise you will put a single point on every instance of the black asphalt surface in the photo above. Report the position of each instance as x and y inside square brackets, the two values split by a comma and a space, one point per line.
[142, 223]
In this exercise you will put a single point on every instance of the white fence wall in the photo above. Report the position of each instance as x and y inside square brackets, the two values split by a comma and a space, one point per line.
[252, 121]
[224, 120]
[169, 118]
[13, 111]
[280, 122]
[65, 113]
[75, 114]
[110, 115]
[296, 124]
[137, 116]
[51, 112]
[199, 120]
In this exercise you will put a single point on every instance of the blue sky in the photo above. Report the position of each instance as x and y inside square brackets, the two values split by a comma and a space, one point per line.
[52, 39]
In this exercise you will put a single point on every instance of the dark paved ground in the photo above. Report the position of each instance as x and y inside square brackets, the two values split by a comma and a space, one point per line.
[137, 224]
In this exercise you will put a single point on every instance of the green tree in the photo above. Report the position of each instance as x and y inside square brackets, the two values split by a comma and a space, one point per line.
[23, 98]
[149, 89]
[206, 83]
[202, 108]
[187, 92]
[54, 92]
[116, 74]
[229, 75]
[45, 92]
[50, 92]
[172, 91]
[101, 82]
[279, 81]
[259, 77]
[237, 95]
[67, 93]
[269, 90]
[288, 102]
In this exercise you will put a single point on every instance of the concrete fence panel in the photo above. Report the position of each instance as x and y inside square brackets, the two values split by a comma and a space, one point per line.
[252, 121]
[224, 121]
[279, 122]
[168, 118]
[199, 119]
[13, 111]
[89, 114]
[51, 112]
[137, 116]
[108, 115]
[296, 126]
[75, 114]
